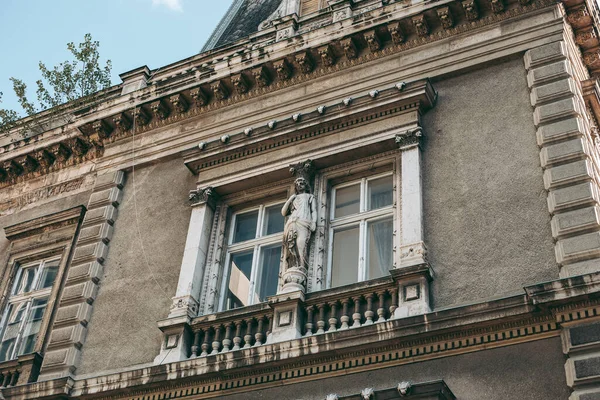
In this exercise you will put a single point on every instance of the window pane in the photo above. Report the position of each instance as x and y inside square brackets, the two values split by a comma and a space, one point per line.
[344, 269]
[6, 349]
[269, 272]
[273, 220]
[245, 226]
[380, 237]
[25, 280]
[239, 280]
[32, 326]
[380, 192]
[347, 201]
[48, 274]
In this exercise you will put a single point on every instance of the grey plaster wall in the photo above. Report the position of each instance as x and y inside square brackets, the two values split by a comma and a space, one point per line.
[141, 269]
[487, 224]
[532, 371]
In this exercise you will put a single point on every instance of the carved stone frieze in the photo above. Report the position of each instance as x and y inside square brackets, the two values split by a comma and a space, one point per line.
[261, 76]
[179, 103]
[497, 5]
[159, 109]
[305, 62]
[141, 116]
[445, 16]
[350, 49]
[283, 68]
[396, 32]
[471, 10]
[327, 56]
[199, 96]
[372, 39]
[240, 83]
[219, 90]
[421, 26]
[122, 122]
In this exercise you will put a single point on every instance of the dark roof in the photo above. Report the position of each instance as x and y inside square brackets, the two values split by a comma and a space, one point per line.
[242, 19]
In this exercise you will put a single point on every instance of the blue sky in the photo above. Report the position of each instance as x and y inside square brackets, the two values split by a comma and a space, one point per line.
[131, 33]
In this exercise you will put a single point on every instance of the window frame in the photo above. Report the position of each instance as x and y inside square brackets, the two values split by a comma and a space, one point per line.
[255, 245]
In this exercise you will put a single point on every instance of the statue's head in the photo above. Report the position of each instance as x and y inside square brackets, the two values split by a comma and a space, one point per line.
[301, 185]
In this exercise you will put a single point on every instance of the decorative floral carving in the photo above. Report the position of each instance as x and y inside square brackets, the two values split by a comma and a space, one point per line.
[219, 90]
[409, 138]
[240, 83]
[199, 96]
[327, 56]
[420, 24]
[395, 32]
[372, 39]
[305, 62]
[471, 10]
[261, 76]
[179, 103]
[445, 16]
[206, 195]
[283, 68]
[159, 109]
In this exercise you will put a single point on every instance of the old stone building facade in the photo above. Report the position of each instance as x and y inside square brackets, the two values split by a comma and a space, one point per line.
[335, 199]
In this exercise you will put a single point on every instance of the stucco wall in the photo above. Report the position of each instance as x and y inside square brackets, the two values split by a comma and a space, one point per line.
[141, 270]
[532, 371]
[487, 225]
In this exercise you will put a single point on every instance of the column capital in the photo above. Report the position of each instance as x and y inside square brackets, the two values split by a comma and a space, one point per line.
[203, 196]
[410, 138]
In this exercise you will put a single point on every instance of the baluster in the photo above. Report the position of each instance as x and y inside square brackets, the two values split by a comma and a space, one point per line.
[321, 320]
[270, 328]
[14, 378]
[227, 340]
[237, 340]
[216, 344]
[205, 342]
[369, 312]
[248, 336]
[345, 318]
[309, 321]
[356, 316]
[394, 306]
[333, 318]
[196, 345]
[381, 310]
[5, 378]
[259, 332]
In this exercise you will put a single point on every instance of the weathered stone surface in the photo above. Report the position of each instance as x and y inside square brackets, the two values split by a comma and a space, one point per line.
[552, 91]
[570, 173]
[578, 248]
[105, 197]
[574, 221]
[580, 268]
[585, 334]
[565, 151]
[547, 73]
[80, 292]
[572, 196]
[559, 130]
[76, 313]
[545, 54]
[101, 214]
[90, 252]
[102, 232]
[555, 110]
[88, 271]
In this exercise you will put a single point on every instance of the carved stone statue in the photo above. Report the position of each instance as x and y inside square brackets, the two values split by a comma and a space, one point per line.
[301, 210]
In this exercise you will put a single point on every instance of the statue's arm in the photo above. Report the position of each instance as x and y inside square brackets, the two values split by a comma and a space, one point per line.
[285, 210]
[313, 213]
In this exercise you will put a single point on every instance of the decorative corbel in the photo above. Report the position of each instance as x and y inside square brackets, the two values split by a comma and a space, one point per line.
[497, 6]
[420, 24]
[283, 68]
[199, 96]
[261, 76]
[579, 16]
[44, 158]
[219, 90]
[396, 32]
[367, 393]
[4, 177]
[179, 103]
[12, 168]
[141, 116]
[327, 56]
[122, 122]
[101, 128]
[372, 39]
[78, 146]
[305, 169]
[240, 83]
[592, 59]
[159, 109]
[471, 10]
[203, 196]
[332, 396]
[349, 47]
[60, 152]
[587, 38]
[305, 62]
[404, 388]
[445, 16]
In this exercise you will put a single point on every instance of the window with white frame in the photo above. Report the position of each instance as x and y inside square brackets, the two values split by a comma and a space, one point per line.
[26, 304]
[253, 256]
[361, 229]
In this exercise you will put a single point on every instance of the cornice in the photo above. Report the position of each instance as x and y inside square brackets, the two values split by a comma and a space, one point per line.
[169, 102]
[583, 17]
[34, 226]
[448, 332]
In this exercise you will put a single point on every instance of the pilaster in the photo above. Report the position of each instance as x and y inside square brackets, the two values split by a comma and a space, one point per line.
[70, 325]
[568, 157]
